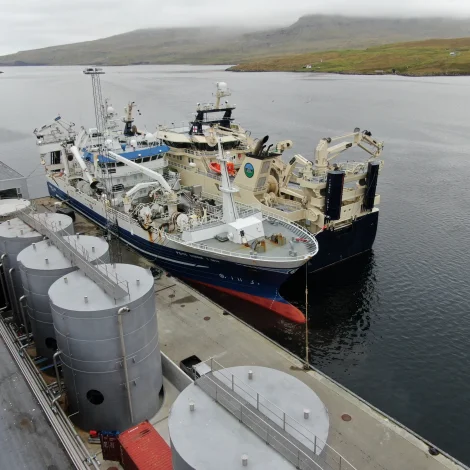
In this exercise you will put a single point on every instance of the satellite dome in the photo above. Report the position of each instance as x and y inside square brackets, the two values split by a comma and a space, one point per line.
[149, 136]
[134, 143]
[222, 86]
[110, 110]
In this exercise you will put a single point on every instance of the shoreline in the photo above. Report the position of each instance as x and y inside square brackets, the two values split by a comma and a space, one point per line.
[363, 74]
[232, 68]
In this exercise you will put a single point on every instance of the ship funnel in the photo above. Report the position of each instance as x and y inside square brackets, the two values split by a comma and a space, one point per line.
[259, 145]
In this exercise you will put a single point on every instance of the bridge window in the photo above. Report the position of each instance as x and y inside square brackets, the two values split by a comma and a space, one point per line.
[55, 157]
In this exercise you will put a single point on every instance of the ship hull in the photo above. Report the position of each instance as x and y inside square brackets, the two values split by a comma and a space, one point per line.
[341, 244]
[257, 284]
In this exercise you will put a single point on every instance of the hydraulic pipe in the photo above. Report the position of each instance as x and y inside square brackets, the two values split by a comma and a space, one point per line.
[12, 287]
[2, 281]
[59, 384]
[23, 316]
[121, 311]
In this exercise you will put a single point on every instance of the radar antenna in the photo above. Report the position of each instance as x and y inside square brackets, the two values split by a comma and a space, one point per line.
[112, 224]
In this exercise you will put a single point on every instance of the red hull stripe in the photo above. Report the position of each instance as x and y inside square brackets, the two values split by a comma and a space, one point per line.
[283, 309]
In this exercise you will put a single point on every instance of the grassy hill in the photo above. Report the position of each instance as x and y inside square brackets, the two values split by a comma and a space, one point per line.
[431, 57]
[217, 45]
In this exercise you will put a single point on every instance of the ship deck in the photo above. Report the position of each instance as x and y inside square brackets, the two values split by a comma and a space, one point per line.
[273, 249]
[190, 324]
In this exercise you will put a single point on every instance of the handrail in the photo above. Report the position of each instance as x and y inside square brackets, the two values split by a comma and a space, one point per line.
[244, 411]
[78, 255]
[285, 418]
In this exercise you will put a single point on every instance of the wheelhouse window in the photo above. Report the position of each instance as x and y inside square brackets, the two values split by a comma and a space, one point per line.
[55, 157]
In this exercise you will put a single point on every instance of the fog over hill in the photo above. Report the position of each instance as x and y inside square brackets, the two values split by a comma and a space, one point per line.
[225, 45]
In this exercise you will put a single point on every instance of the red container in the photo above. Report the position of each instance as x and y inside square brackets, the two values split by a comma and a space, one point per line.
[142, 448]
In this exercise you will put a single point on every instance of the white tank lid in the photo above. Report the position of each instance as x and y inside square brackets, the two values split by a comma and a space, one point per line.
[70, 295]
[54, 221]
[35, 255]
[16, 228]
[10, 206]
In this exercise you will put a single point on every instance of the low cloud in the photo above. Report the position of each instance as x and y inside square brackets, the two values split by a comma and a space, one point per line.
[32, 24]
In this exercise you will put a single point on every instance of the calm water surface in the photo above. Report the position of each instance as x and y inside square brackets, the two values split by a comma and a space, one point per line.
[392, 325]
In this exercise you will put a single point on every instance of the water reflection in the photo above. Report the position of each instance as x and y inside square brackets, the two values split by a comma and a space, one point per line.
[341, 301]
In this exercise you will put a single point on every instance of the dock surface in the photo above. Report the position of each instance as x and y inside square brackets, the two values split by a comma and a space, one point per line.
[26, 439]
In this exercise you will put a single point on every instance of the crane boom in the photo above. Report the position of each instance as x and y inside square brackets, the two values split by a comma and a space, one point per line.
[146, 171]
[76, 154]
[324, 153]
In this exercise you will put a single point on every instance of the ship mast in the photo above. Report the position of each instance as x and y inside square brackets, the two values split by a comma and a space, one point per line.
[230, 211]
[112, 226]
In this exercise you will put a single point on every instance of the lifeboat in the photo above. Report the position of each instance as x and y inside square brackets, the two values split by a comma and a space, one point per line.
[215, 167]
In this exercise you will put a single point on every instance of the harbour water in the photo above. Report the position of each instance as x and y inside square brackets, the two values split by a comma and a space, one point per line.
[392, 325]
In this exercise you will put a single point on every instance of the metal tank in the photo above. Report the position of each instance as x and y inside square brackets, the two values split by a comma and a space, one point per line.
[15, 236]
[248, 416]
[94, 333]
[9, 207]
[40, 265]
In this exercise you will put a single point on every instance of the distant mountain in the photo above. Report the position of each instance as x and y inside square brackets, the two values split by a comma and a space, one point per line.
[216, 45]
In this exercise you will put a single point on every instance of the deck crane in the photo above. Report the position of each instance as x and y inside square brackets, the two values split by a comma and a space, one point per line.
[324, 154]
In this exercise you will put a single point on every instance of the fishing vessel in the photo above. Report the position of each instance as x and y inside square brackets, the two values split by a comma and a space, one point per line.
[214, 241]
[335, 200]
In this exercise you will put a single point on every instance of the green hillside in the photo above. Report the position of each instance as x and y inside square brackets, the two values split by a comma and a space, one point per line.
[431, 57]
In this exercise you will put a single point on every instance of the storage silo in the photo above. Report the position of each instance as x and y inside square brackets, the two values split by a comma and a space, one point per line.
[106, 344]
[9, 207]
[248, 416]
[40, 265]
[15, 236]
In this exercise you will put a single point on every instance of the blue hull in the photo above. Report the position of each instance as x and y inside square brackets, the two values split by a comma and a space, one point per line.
[256, 284]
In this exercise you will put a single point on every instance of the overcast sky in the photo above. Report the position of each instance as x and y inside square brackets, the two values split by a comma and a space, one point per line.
[31, 24]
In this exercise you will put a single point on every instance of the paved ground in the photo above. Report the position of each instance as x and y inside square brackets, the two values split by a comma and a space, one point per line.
[26, 439]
